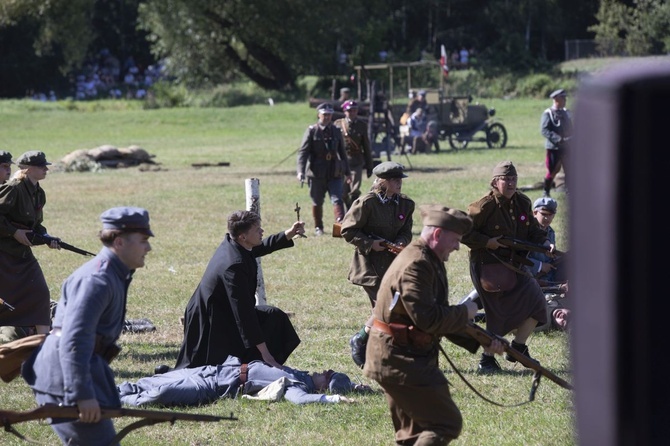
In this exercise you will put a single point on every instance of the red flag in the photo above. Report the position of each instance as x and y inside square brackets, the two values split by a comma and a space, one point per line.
[443, 62]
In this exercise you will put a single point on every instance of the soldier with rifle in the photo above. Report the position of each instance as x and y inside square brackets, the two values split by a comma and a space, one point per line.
[412, 314]
[71, 367]
[24, 287]
[359, 153]
[378, 224]
[511, 297]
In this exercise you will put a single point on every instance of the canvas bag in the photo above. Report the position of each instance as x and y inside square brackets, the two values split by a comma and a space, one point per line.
[13, 354]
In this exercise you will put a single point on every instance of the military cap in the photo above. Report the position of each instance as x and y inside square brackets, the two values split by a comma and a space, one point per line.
[33, 158]
[5, 157]
[557, 93]
[422, 92]
[504, 169]
[128, 219]
[547, 203]
[348, 105]
[344, 90]
[443, 217]
[325, 108]
[389, 169]
[338, 383]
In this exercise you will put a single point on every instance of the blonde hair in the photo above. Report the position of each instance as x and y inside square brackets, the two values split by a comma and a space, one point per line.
[22, 173]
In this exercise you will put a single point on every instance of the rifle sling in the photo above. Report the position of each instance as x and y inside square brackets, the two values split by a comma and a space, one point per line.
[136, 425]
[12, 430]
[531, 397]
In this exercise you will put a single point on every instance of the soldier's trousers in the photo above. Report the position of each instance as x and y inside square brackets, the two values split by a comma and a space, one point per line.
[423, 415]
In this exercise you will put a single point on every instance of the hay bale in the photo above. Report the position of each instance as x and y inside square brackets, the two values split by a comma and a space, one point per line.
[77, 155]
[104, 152]
[135, 153]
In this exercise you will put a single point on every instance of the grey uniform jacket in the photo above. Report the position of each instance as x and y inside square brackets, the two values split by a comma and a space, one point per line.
[92, 304]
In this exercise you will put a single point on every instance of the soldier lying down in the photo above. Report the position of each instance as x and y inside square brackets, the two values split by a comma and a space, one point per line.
[201, 385]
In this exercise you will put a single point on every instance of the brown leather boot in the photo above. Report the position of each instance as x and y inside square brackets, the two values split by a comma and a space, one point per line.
[338, 211]
[317, 213]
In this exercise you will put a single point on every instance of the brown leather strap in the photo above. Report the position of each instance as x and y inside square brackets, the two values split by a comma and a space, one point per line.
[381, 326]
[244, 373]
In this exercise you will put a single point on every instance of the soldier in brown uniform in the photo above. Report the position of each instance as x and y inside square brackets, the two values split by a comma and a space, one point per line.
[5, 166]
[359, 155]
[382, 214]
[322, 161]
[411, 315]
[23, 283]
[516, 301]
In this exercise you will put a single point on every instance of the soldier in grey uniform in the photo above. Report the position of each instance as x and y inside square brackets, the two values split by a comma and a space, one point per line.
[411, 315]
[71, 367]
[322, 162]
[359, 154]
[382, 214]
[556, 127]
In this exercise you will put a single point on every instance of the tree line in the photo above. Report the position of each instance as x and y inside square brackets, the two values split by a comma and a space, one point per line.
[273, 43]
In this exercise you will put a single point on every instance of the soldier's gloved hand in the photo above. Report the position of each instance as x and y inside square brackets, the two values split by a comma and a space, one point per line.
[369, 172]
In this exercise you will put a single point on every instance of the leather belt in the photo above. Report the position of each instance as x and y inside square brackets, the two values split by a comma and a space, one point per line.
[244, 373]
[381, 326]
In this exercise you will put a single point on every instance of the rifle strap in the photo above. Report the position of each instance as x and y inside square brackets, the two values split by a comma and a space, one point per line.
[536, 383]
[136, 425]
[9, 428]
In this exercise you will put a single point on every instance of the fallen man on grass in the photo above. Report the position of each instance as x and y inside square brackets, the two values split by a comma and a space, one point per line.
[256, 380]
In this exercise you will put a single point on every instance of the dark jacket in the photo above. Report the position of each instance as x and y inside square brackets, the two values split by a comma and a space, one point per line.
[322, 153]
[21, 204]
[220, 317]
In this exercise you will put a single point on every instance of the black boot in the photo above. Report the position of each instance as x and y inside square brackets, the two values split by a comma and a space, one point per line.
[521, 348]
[488, 364]
[338, 211]
[547, 187]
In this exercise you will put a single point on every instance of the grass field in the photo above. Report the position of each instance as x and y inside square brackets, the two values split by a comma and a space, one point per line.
[188, 210]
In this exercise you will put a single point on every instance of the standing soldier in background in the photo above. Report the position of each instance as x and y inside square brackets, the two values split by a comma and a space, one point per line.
[5, 166]
[322, 161]
[556, 127]
[359, 154]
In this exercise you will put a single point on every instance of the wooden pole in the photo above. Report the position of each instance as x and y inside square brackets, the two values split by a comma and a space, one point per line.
[252, 190]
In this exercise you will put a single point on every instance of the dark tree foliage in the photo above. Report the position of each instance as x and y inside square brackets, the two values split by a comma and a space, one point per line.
[274, 42]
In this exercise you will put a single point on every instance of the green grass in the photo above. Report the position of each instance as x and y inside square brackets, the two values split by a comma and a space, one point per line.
[188, 210]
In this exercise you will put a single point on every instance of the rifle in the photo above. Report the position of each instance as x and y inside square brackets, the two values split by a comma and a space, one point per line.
[148, 417]
[522, 245]
[390, 246]
[485, 337]
[42, 239]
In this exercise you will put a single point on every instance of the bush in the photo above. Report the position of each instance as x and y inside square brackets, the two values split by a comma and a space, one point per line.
[535, 85]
